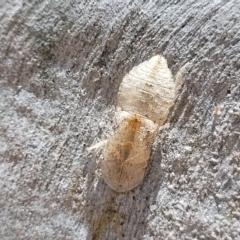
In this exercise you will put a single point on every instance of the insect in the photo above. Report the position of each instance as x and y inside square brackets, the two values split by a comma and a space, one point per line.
[145, 96]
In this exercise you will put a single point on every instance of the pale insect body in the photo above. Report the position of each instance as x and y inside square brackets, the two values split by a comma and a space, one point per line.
[145, 96]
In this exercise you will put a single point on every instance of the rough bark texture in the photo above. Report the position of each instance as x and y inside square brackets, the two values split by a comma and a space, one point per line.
[61, 64]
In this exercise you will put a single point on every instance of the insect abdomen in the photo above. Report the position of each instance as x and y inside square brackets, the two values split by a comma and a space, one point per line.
[148, 90]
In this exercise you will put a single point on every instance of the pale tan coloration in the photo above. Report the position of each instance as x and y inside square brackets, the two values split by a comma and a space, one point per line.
[127, 151]
[145, 96]
[217, 111]
[97, 145]
[148, 90]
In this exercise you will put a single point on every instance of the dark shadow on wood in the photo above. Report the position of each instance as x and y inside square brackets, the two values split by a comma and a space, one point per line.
[110, 214]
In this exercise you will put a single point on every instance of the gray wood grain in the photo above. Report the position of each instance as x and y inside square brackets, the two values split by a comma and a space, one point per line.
[61, 64]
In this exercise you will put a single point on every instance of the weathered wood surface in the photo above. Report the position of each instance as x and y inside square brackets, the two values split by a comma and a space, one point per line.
[61, 64]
